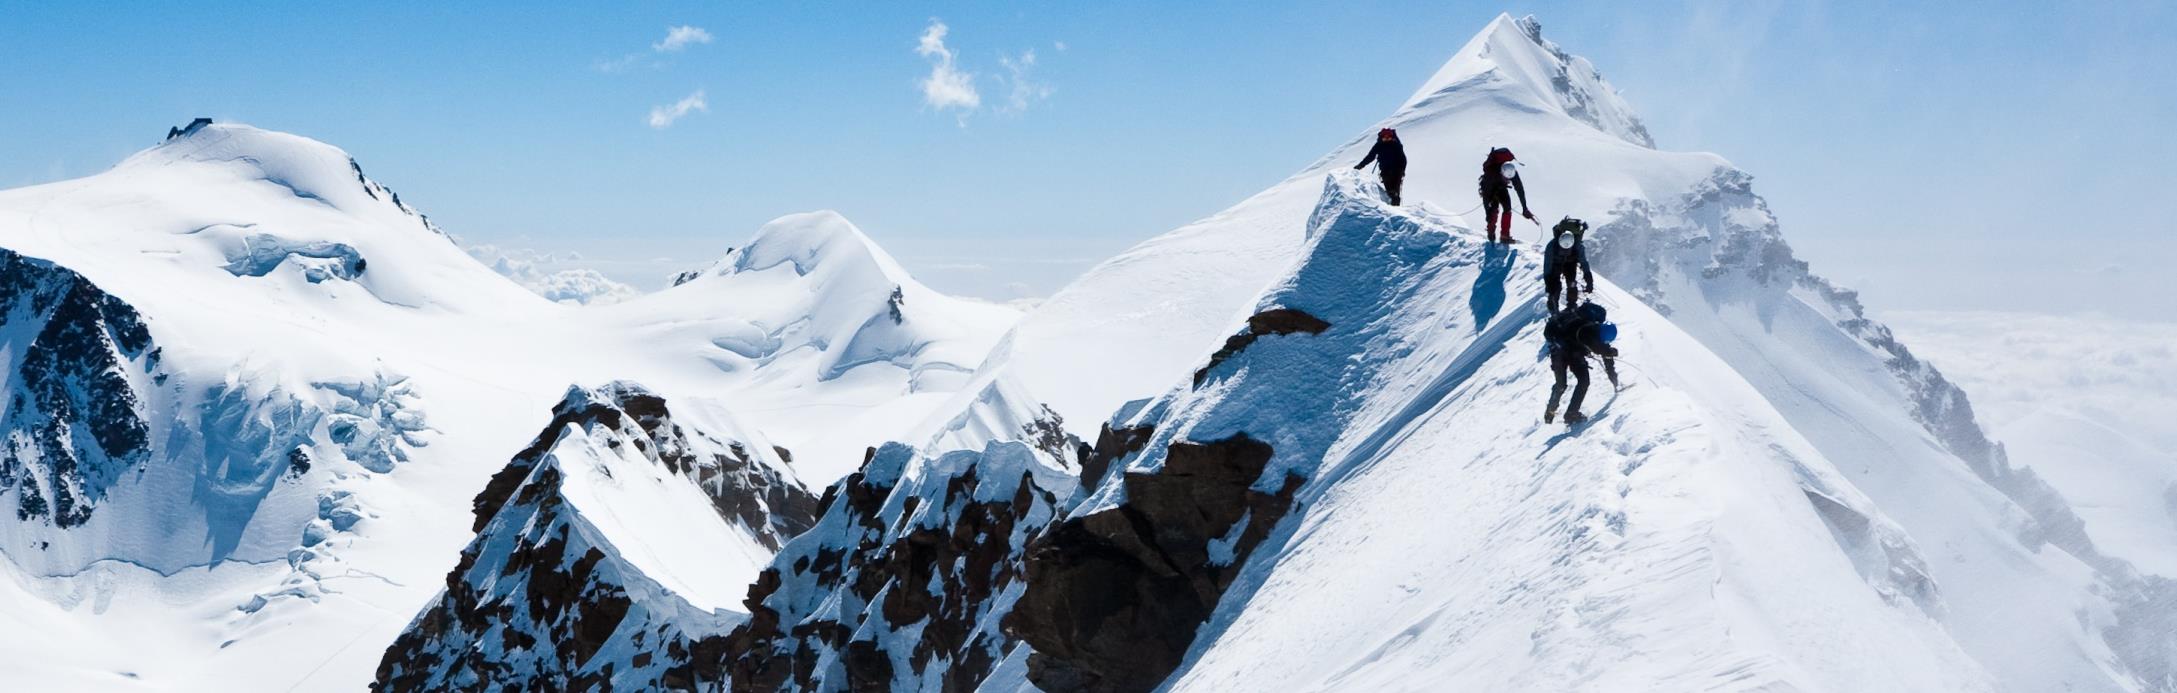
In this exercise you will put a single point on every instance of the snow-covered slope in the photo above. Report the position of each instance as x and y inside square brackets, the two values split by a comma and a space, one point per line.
[608, 553]
[322, 380]
[1372, 504]
[2027, 598]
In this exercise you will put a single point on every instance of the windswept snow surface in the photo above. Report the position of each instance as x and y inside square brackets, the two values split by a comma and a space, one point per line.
[1444, 538]
[336, 379]
[1790, 373]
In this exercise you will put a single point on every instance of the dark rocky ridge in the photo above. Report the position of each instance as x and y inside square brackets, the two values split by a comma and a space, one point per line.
[540, 602]
[75, 418]
[851, 604]
[1115, 596]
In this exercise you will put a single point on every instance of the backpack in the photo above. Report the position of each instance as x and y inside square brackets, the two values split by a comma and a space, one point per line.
[1563, 329]
[1577, 228]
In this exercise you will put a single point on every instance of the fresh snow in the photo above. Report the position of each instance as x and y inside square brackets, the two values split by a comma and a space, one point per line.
[298, 304]
[1780, 367]
[1785, 497]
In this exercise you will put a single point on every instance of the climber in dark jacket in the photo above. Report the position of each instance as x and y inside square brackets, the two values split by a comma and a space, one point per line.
[1564, 263]
[1500, 178]
[1390, 157]
[1573, 336]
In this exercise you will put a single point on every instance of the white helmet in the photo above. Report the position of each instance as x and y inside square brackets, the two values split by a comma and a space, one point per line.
[1510, 170]
[1564, 240]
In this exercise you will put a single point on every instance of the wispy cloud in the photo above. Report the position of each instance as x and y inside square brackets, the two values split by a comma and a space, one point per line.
[677, 39]
[680, 37]
[662, 117]
[947, 87]
[1024, 90]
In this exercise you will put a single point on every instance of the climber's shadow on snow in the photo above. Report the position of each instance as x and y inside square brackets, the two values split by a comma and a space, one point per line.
[1488, 295]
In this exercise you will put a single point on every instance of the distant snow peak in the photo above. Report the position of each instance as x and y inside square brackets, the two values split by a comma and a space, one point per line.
[1512, 54]
[606, 552]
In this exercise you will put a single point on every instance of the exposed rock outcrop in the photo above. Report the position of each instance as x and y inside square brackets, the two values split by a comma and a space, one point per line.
[903, 580]
[75, 417]
[1114, 596]
[548, 597]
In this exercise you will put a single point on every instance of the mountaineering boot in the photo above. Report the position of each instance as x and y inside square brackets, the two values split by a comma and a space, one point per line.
[1573, 417]
[1550, 415]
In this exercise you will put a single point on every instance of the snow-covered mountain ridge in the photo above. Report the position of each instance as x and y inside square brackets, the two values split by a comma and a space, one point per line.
[1870, 535]
[1318, 463]
[607, 552]
[255, 382]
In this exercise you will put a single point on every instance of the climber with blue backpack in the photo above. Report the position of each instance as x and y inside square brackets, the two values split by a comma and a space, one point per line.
[1564, 263]
[1574, 335]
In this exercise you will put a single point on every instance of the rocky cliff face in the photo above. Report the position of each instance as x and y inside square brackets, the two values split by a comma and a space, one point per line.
[903, 581]
[575, 579]
[79, 364]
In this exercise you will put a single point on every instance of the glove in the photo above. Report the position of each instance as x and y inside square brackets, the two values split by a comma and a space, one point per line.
[1357, 167]
[1529, 214]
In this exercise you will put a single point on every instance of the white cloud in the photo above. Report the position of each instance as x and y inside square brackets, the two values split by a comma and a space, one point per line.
[677, 38]
[1024, 89]
[680, 37]
[947, 87]
[1060, 45]
[578, 285]
[662, 117]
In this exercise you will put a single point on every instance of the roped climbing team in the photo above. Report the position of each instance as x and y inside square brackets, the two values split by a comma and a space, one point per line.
[1574, 334]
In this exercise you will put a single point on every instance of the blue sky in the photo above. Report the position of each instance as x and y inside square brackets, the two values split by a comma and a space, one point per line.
[1938, 155]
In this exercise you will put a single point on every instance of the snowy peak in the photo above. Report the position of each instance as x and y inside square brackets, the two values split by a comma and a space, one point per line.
[307, 168]
[813, 241]
[608, 554]
[1511, 59]
[1364, 458]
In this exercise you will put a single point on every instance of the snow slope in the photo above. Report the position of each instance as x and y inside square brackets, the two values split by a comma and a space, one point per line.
[1432, 534]
[2029, 598]
[335, 379]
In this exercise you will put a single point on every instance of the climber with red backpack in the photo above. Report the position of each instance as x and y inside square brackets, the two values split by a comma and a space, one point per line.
[1390, 156]
[1500, 178]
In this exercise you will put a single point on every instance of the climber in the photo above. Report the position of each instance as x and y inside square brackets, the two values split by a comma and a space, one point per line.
[1391, 162]
[1500, 176]
[1573, 335]
[1564, 262]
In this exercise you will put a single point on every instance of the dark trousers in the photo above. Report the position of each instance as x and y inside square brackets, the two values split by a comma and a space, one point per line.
[1391, 183]
[1566, 277]
[1562, 360]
